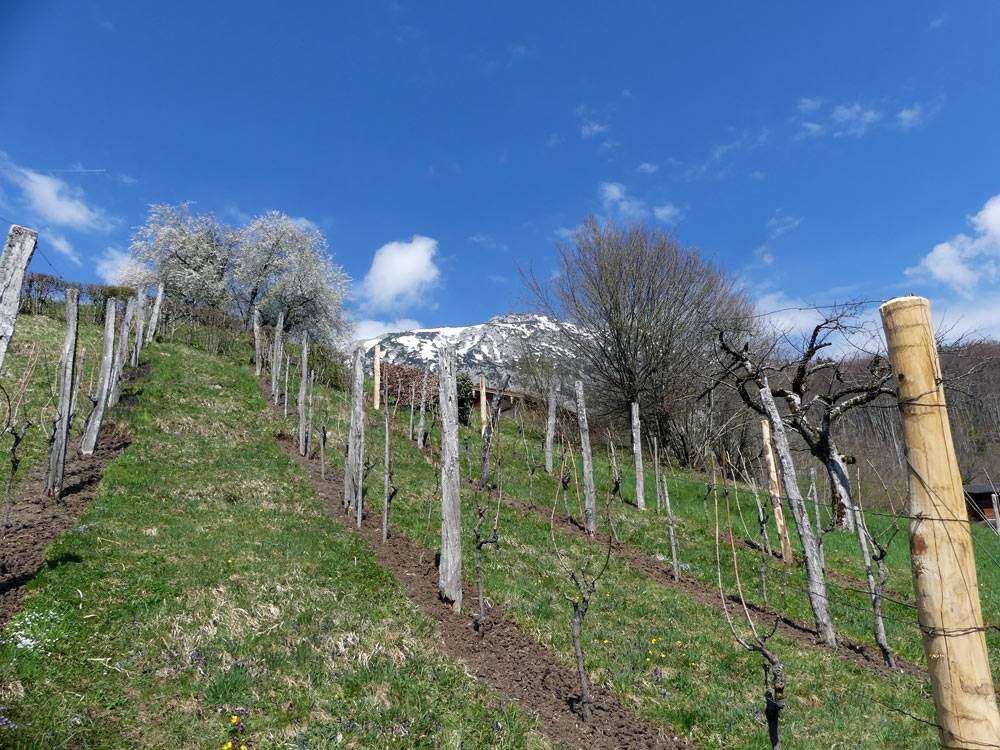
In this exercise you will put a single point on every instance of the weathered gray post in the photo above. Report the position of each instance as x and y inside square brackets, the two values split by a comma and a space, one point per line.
[140, 324]
[93, 426]
[387, 468]
[288, 365]
[258, 344]
[670, 525]
[450, 568]
[550, 423]
[17, 251]
[422, 424]
[413, 397]
[309, 421]
[154, 316]
[322, 439]
[656, 476]
[357, 418]
[303, 388]
[589, 491]
[377, 377]
[482, 404]
[80, 368]
[276, 358]
[640, 483]
[67, 371]
[118, 370]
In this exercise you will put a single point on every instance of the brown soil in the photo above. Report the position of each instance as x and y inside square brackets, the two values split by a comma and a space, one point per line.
[502, 657]
[35, 522]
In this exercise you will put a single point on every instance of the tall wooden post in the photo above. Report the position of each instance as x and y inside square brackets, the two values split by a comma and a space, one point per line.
[774, 488]
[640, 482]
[944, 566]
[377, 376]
[93, 426]
[303, 391]
[140, 326]
[67, 371]
[276, 358]
[355, 431]
[996, 515]
[154, 316]
[450, 567]
[491, 425]
[121, 352]
[258, 344]
[589, 491]
[422, 422]
[550, 423]
[413, 397]
[483, 416]
[17, 251]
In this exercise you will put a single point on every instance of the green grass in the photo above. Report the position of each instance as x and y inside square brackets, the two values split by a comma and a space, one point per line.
[206, 598]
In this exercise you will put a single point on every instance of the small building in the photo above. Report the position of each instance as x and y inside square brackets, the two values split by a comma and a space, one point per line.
[979, 502]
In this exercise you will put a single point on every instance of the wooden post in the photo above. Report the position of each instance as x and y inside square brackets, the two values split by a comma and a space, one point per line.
[67, 371]
[450, 567]
[387, 468]
[303, 389]
[656, 475]
[483, 417]
[377, 376]
[17, 251]
[491, 425]
[276, 357]
[774, 489]
[121, 352]
[322, 439]
[258, 344]
[589, 491]
[670, 525]
[640, 483]
[79, 370]
[355, 432]
[93, 426]
[944, 567]
[288, 366]
[154, 316]
[309, 419]
[550, 422]
[140, 325]
[422, 423]
[413, 398]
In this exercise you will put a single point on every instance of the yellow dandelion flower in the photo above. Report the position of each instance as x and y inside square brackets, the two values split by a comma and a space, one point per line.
[647, 658]
[233, 719]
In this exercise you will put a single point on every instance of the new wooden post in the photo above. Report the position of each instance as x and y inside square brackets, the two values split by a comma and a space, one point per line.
[377, 377]
[450, 567]
[483, 418]
[17, 251]
[774, 488]
[589, 491]
[943, 564]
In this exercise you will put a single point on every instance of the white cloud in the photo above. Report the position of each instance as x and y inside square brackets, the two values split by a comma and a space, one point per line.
[854, 120]
[778, 225]
[369, 329]
[401, 274]
[589, 128]
[565, 233]
[54, 201]
[910, 117]
[61, 245]
[617, 202]
[111, 263]
[810, 130]
[303, 223]
[488, 240]
[668, 213]
[807, 105]
[788, 315]
[127, 179]
[647, 168]
[963, 261]
[758, 175]
[745, 142]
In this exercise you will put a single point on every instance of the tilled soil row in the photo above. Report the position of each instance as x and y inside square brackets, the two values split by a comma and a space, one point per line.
[502, 657]
[856, 652]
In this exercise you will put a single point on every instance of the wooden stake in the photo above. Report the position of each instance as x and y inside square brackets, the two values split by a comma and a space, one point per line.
[276, 357]
[377, 376]
[303, 391]
[422, 423]
[258, 344]
[483, 417]
[550, 423]
[140, 326]
[640, 483]
[121, 352]
[154, 316]
[450, 568]
[774, 488]
[355, 432]
[67, 370]
[589, 491]
[17, 251]
[944, 566]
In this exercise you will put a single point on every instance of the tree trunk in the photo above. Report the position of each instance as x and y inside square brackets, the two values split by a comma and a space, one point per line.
[840, 487]
[67, 372]
[258, 344]
[17, 251]
[550, 424]
[422, 423]
[589, 491]
[154, 316]
[355, 428]
[277, 358]
[121, 352]
[303, 389]
[873, 590]
[640, 483]
[450, 567]
[484, 463]
[816, 582]
[578, 614]
[93, 426]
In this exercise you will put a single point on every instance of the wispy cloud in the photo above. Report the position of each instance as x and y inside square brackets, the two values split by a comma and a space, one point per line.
[963, 262]
[54, 201]
[718, 154]
[111, 263]
[840, 121]
[303, 223]
[590, 123]
[809, 105]
[910, 117]
[489, 241]
[668, 213]
[553, 139]
[647, 168]
[62, 246]
[370, 329]
[402, 274]
[758, 175]
[778, 225]
[937, 23]
[854, 120]
[618, 203]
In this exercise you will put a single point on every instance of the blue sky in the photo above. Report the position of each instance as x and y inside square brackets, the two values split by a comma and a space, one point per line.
[819, 152]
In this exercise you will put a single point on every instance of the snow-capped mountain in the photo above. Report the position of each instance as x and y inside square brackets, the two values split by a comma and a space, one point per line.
[492, 348]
